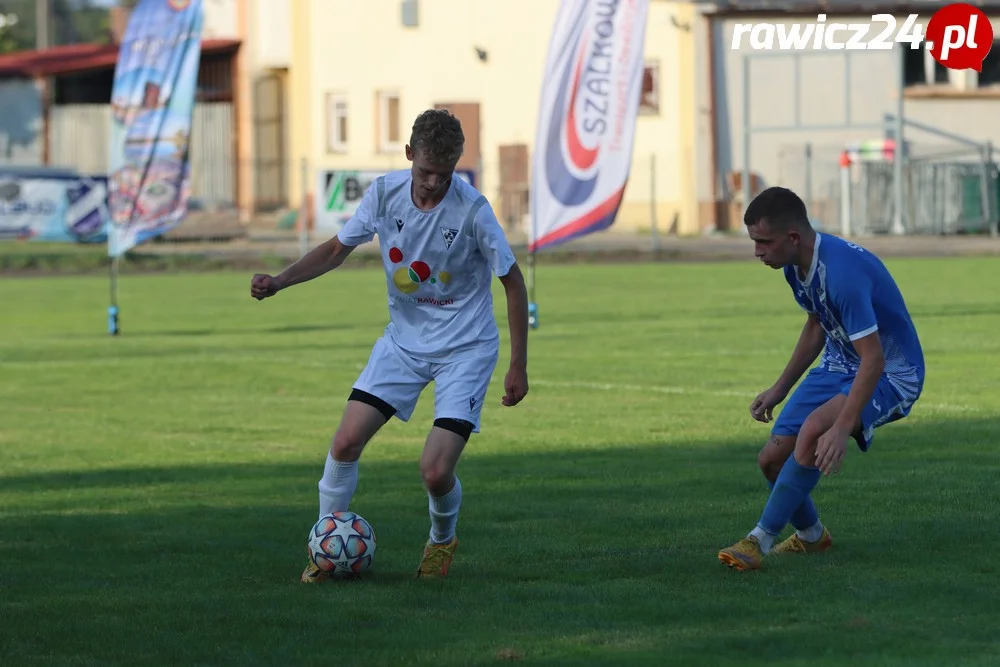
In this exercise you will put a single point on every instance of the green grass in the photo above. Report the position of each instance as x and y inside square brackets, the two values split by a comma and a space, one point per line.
[156, 489]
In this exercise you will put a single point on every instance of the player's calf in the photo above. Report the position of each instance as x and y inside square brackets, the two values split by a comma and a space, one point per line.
[444, 493]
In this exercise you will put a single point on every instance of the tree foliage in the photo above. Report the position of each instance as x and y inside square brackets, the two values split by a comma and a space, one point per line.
[70, 22]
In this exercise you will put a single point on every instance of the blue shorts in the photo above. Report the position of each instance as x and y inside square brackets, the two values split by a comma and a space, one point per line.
[820, 385]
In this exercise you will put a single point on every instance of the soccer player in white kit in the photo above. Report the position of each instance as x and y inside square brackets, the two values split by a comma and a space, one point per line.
[440, 243]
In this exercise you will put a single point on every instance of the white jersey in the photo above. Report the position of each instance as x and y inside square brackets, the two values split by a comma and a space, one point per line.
[439, 266]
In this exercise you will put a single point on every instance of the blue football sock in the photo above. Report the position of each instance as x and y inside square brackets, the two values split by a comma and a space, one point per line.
[805, 516]
[792, 488]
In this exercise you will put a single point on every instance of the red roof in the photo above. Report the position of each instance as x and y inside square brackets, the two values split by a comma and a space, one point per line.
[81, 57]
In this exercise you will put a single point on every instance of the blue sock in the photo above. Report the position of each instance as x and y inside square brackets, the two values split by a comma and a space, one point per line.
[792, 488]
[805, 516]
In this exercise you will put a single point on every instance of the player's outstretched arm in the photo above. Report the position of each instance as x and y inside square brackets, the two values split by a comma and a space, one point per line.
[516, 381]
[810, 344]
[323, 258]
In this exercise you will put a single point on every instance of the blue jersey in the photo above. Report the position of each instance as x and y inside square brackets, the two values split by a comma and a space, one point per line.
[853, 295]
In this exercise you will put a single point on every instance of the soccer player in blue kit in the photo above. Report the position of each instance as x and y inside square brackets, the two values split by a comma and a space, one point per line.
[871, 371]
[441, 244]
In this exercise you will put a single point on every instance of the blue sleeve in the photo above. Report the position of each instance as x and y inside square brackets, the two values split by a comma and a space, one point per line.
[851, 293]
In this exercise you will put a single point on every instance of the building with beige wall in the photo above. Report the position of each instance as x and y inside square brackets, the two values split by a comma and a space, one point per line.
[362, 71]
[262, 161]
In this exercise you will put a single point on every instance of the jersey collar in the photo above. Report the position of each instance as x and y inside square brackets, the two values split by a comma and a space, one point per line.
[815, 261]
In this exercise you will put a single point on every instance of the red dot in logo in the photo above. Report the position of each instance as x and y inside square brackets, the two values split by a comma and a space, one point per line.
[421, 269]
[395, 255]
[959, 36]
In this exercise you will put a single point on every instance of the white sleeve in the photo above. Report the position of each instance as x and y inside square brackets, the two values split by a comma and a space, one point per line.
[361, 227]
[492, 241]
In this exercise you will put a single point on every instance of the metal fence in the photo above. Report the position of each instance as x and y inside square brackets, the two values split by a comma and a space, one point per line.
[942, 194]
[946, 190]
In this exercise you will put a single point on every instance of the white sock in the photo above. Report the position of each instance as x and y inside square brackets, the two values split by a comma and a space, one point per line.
[765, 538]
[444, 514]
[337, 486]
[812, 533]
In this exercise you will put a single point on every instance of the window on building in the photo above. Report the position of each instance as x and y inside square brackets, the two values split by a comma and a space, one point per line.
[649, 102]
[389, 113]
[990, 76]
[411, 13]
[920, 68]
[336, 123]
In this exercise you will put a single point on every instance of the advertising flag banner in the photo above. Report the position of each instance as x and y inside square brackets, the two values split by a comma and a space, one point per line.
[589, 102]
[152, 102]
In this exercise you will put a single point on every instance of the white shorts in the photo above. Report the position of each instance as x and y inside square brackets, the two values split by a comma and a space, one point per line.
[398, 379]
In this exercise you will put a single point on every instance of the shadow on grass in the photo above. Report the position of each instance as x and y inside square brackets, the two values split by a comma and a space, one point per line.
[253, 331]
[602, 555]
[117, 351]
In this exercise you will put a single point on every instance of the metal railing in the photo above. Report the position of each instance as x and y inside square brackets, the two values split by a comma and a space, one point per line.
[945, 189]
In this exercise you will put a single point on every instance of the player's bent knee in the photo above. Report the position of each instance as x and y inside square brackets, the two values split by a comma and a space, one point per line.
[438, 472]
[805, 447]
[770, 464]
[347, 444]
[812, 429]
[459, 427]
[774, 454]
[437, 476]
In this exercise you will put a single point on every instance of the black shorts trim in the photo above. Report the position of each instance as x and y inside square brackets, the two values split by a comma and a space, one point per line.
[459, 427]
[370, 399]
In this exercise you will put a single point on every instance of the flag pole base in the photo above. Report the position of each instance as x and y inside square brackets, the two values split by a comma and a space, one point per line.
[113, 321]
[113, 327]
[532, 306]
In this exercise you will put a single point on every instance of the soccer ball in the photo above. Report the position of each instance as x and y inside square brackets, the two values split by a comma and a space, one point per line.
[342, 543]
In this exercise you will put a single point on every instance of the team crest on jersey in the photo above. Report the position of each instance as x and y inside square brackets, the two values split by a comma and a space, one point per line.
[449, 236]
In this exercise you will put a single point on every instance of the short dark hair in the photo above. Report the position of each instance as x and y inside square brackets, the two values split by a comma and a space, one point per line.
[779, 207]
[438, 136]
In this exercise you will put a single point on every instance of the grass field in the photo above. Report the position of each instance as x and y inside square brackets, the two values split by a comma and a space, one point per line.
[156, 489]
